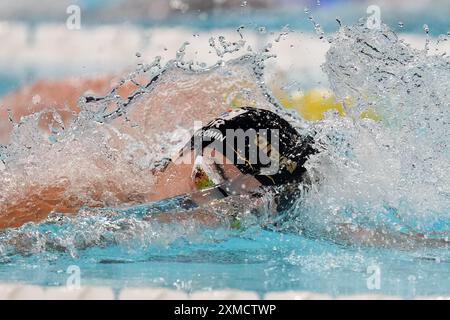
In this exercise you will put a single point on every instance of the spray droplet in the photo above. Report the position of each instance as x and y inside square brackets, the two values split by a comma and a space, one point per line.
[138, 54]
[262, 30]
[318, 2]
[426, 28]
[36, 99]
[239, 30]
[401, 24]
[244, 4]
[284, 32]
[181, 52]
[179, 5]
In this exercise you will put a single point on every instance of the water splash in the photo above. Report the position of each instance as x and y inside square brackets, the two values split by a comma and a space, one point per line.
[123, 138]
[392, 174]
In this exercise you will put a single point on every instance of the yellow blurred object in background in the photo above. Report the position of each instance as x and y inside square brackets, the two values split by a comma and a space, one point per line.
[315, 102]
[370, 114]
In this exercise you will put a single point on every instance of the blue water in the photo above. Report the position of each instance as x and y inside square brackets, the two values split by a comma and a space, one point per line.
[251, 259]
[9, 82]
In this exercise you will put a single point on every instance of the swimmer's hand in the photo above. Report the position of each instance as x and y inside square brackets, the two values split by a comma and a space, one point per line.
[351, 234]
[200, 215]
[227, 212]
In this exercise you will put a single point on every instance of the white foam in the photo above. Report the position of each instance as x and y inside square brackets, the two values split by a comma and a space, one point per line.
[96, 293]
[22, 292]
[368, 297]
[296, 295]
[63, 293]
[84, 293]
[152, 294]
[228, 294]
[6, 290]
[432, 298]
[28, 292]
[19, 291]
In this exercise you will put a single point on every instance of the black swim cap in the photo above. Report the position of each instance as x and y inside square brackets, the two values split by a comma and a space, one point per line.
[258, 142]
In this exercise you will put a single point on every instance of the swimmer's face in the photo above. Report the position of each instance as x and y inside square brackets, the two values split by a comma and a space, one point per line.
[212, 168]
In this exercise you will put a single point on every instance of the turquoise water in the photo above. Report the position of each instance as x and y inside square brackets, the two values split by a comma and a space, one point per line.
[262, 261]
[9, 82]
[195, 258]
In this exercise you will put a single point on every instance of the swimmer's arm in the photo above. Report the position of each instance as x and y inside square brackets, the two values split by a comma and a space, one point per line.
[35, 204]
[212, 216]
[201, 215]
[352, 234]
[218, 213]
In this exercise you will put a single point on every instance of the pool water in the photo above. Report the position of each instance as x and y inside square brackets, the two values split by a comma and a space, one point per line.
[255, 259]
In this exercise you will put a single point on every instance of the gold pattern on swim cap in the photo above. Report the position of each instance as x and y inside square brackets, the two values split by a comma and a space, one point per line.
[290, 165]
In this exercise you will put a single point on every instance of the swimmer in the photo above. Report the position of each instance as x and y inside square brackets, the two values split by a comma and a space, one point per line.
[214, 178]
[237, 154]
[240, 156]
